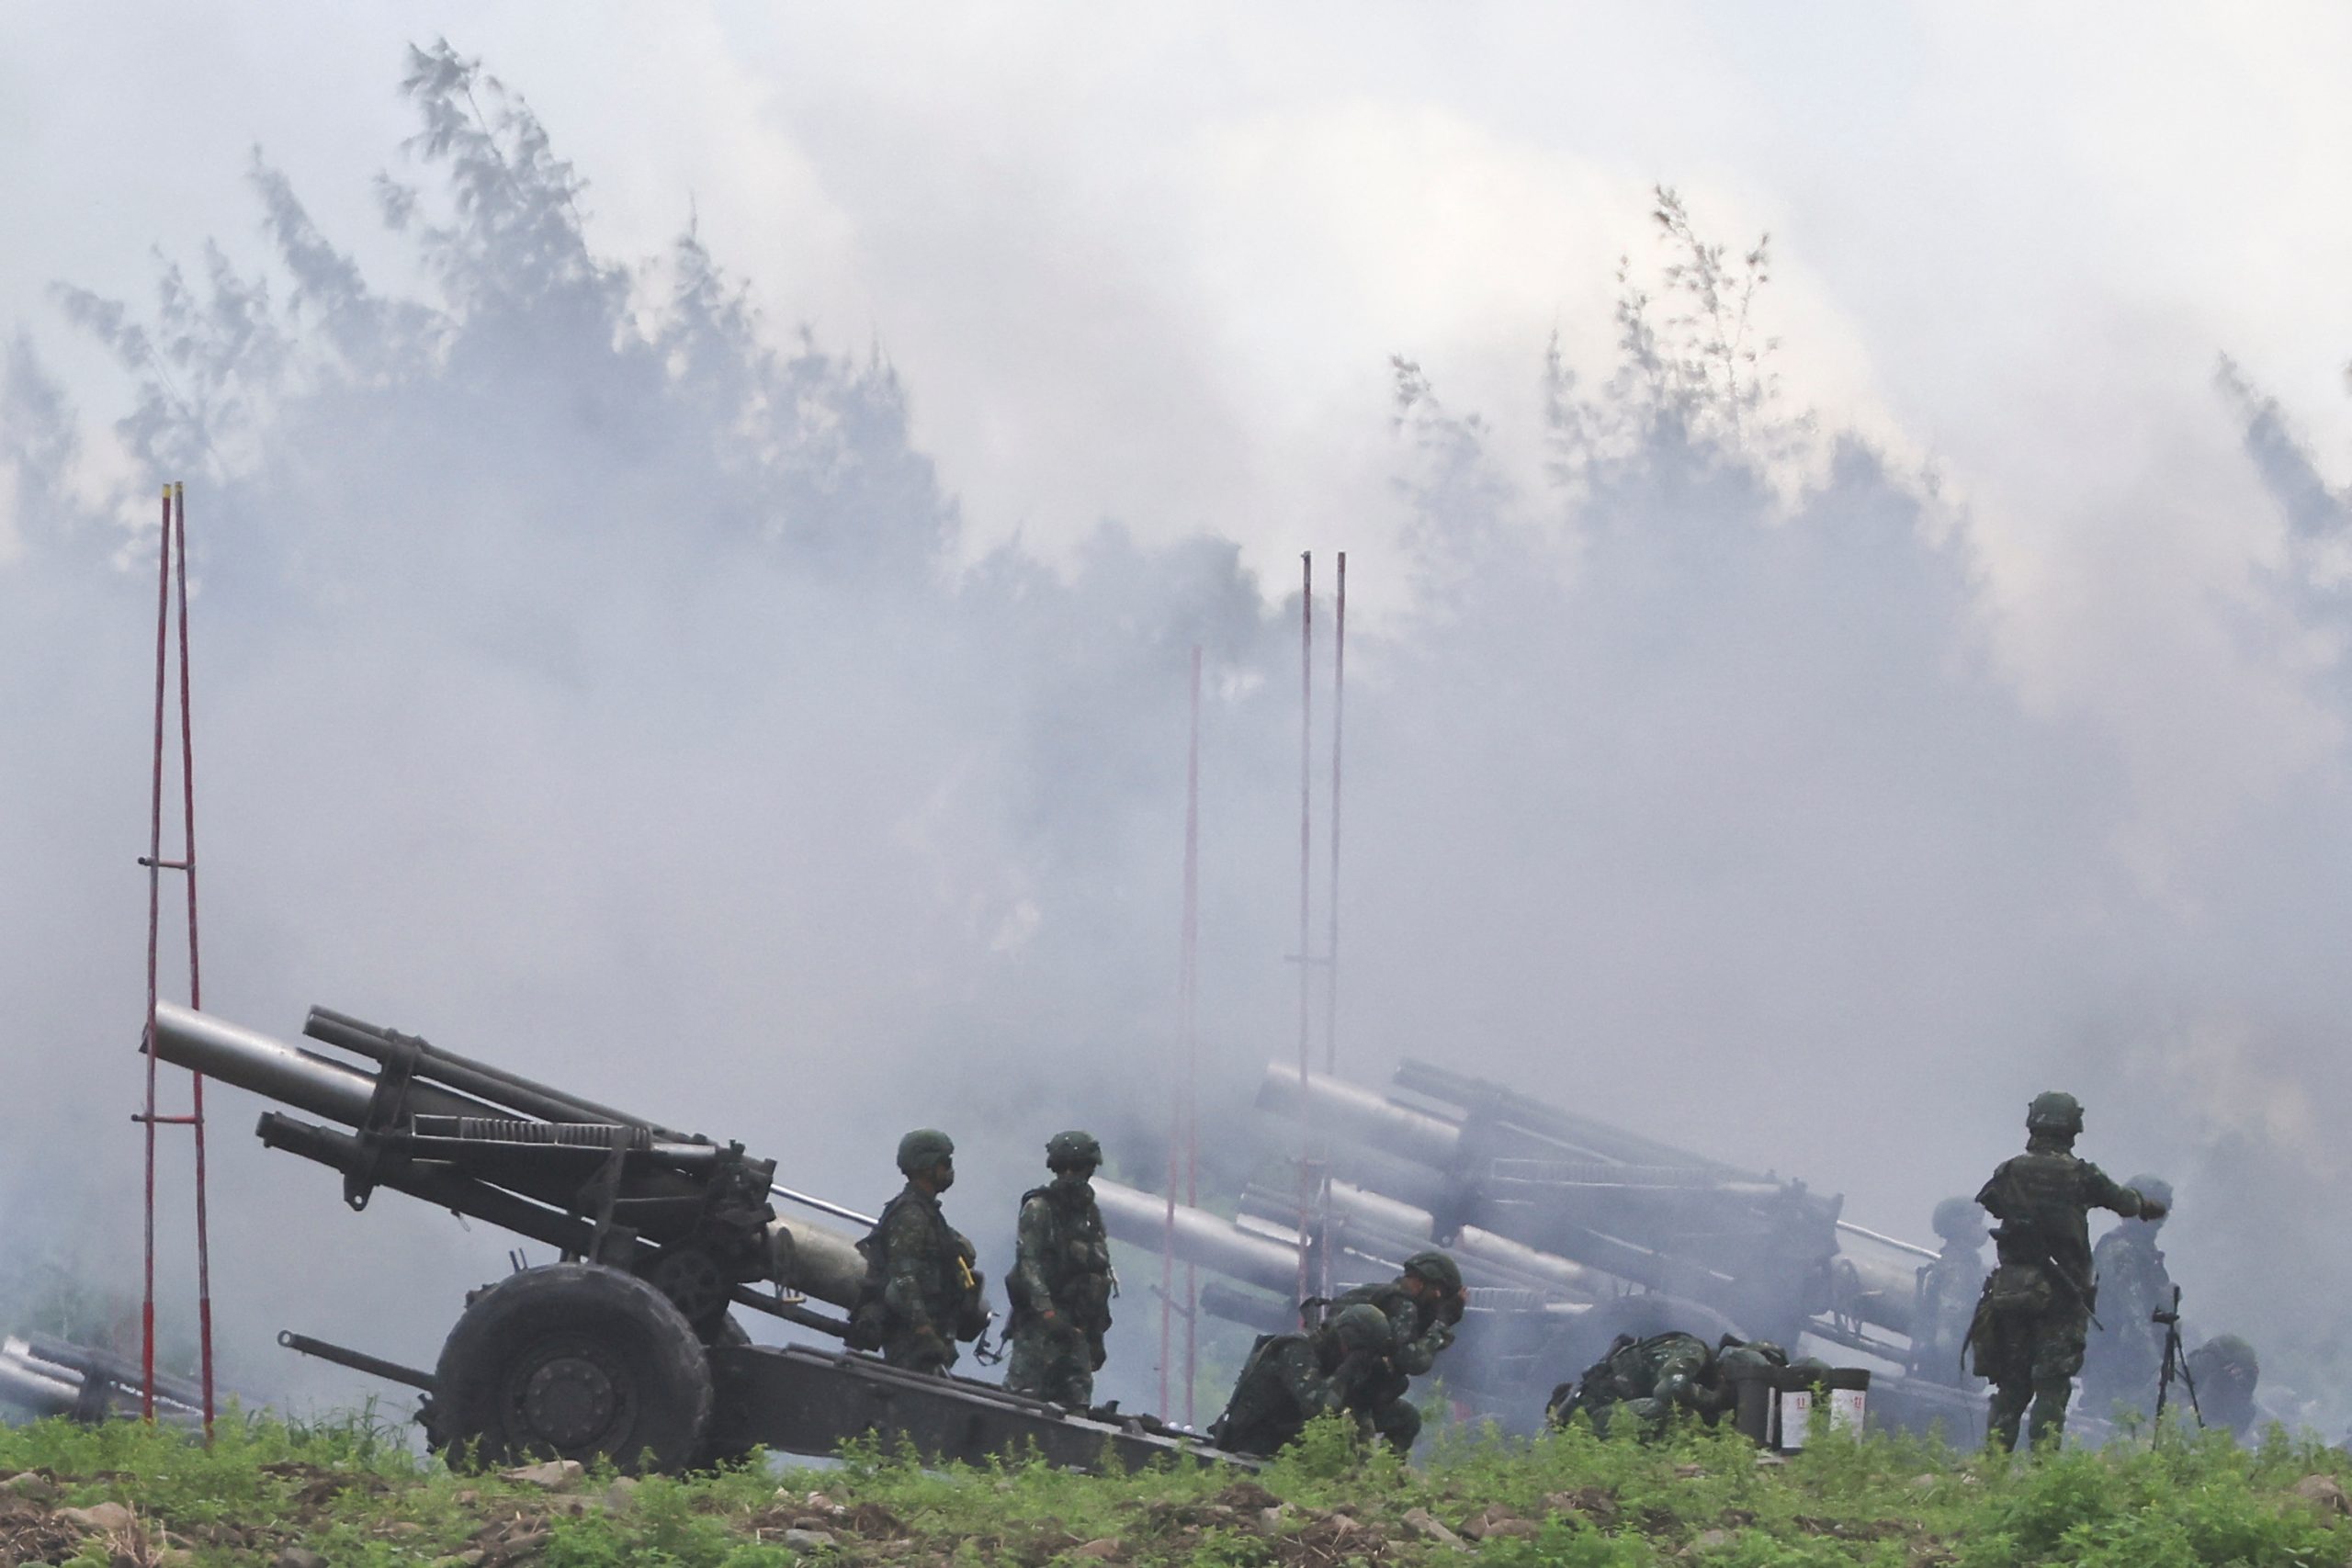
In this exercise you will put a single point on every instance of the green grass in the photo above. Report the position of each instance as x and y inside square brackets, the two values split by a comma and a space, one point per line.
[352, 1491]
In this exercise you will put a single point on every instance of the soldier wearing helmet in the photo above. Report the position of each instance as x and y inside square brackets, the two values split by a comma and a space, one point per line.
[1652, 1380]
[2226, 1370]
[922, 1293]
[1061, 1282]
[1422, 1304]
[1291, 1379]
[2125, 1355]
[2031, 1321]
[1947, 1298]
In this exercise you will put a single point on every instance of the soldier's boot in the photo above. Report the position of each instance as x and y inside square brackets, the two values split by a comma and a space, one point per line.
[1071, 1386]
[1399, 1422]
[1025, 1367]
[2050, 1396]
[2007, 1413]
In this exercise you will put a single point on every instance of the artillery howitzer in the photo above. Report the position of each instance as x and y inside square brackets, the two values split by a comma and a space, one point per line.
[627, 1347]
[43, 1375]
[1568, 1232]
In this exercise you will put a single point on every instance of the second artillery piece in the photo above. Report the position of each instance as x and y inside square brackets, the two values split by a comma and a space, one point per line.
[1569, 1232]
[627, 1347]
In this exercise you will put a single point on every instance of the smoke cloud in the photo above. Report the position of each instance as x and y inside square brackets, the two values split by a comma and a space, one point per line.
[596, 676]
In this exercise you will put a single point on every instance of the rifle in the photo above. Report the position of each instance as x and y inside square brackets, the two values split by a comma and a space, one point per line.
[2176, 1361]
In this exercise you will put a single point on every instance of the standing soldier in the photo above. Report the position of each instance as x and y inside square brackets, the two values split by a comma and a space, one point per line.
[1948, 1290]
[922, 1291]
[2126, 1353]
[2030, 1321]
[1422, 1304]
[1062, 1280]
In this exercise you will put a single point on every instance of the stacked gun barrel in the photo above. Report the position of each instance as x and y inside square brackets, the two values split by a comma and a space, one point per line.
[1568, 1232]
[42, 1375]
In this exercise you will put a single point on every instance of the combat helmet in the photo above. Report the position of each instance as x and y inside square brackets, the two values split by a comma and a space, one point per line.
[2155, 1188]
[1958, 1219]
[1066, 1150]
[1363, 1328]
[2227, 1350]
[2054, 1111]
[924, 1148]
[1436, 1268]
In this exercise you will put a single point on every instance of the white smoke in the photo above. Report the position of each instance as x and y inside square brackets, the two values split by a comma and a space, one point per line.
[594, 678]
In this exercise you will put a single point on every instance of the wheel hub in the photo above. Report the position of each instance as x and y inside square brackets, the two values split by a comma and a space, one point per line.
[570, 1401]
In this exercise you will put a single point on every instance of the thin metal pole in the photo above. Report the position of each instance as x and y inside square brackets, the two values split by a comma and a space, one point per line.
[1184, 1130]
[1191, 1027]
[195, 968]
[155, 925]
[1331, 941]
[1306, 1182]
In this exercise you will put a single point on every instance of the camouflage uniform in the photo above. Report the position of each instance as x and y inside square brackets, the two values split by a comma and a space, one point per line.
[2031, 1320]
[2125, 1356]
[922, 1293]
[1423, 1324]
[1649, 1379]
[2226, 1370]
[1062, 1268]
[1291, 1379]
[1947, 1300]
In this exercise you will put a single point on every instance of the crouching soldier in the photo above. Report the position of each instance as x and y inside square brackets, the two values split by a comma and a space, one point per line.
[1648, 1382]
[922, 1293]
[1422, 1304]
[2225, 1372]
[1062, 1281]
[1291, 1379]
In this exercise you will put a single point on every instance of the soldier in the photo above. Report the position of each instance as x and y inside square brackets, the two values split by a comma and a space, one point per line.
[1062, 1280]
[2226, 1371]
[1651, 1379]
[2030, 1321]
[2126, 1352]
[922, 1291]
[1948, 1290]
[1291, 1379]
[1422, 1304]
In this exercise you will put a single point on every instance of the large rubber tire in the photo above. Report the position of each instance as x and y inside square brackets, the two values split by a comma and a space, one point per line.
[573, 1360]
[716, 1455]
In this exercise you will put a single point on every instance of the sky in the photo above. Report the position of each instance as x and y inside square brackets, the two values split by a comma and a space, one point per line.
[2053, 784]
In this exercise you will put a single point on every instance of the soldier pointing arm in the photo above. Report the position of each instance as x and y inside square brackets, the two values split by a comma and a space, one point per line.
[2035, 1313]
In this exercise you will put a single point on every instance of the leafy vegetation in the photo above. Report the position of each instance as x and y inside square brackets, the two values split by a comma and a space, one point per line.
[353, 1492]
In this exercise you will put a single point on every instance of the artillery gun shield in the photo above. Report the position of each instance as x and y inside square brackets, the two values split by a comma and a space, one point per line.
[573, 1360]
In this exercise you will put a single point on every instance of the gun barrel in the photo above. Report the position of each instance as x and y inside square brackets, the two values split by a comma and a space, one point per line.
[1335, 1106]
[275, 1070]
[29, 1388]
[1597, 1140]
[1477, 1249]
[480, 1079]
[85, 1361]
[1140, 1219]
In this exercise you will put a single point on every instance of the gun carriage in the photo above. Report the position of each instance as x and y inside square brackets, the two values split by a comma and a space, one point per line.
[627, 1347]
